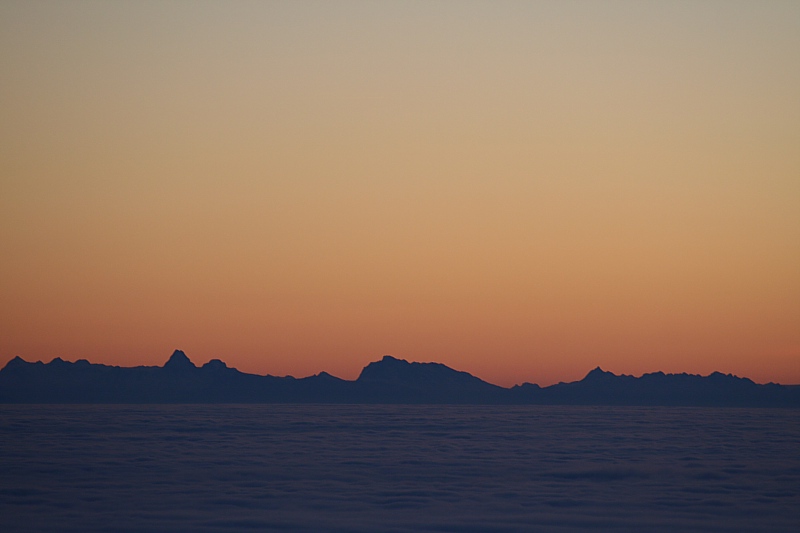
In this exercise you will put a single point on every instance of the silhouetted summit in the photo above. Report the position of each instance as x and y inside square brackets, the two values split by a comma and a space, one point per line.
[179, 361]
[598, 374]
[392, 380]
[214, 364]
[17, 362]
[389, 380]
[391, 369]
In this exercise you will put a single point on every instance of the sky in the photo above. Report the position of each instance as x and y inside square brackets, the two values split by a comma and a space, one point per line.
[520, 190]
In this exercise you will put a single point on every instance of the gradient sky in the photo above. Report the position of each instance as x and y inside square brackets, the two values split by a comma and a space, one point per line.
[520, 190]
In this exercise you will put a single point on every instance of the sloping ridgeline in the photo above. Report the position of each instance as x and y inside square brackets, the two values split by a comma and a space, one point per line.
[388, 381]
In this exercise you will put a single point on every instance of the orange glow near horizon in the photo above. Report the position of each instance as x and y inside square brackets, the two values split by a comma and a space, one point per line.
[523, 192]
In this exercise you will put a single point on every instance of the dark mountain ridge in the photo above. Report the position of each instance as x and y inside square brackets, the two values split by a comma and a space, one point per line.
[389, 380]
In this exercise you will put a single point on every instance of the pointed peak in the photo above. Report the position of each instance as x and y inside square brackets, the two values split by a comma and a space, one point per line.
[16, 363]
[391, 359]
[178, 360]
[323, 376]
[598, 373]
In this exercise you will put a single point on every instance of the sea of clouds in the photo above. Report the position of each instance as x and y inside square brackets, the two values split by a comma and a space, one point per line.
[398, 468]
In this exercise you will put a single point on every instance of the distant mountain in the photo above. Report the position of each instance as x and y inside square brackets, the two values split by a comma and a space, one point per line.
[393, 380]
[389, 380]
[717, 389]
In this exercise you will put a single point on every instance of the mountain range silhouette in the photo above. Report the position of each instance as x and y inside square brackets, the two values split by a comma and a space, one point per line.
[388, 381]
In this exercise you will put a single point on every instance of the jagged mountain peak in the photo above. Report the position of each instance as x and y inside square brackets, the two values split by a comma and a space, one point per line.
[178, 360]
[16, 363]
[598, 373]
